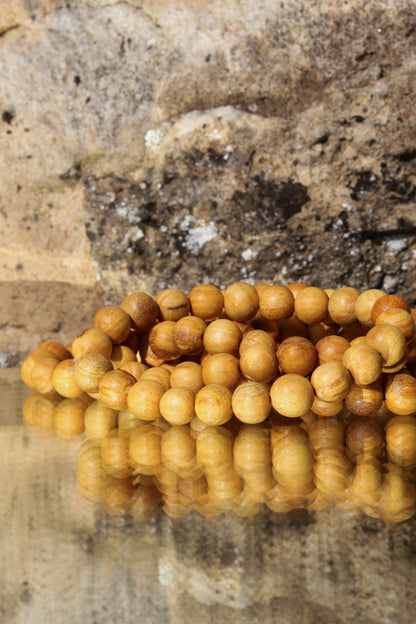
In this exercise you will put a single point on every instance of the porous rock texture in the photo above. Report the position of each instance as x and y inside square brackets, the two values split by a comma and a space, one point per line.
[146, 144]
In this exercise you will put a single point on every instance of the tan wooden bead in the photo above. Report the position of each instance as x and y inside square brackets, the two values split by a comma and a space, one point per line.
[38, 411]
[401, 394]
[144, 449]
[68, 417]
[134, 368]
[296, 355]
[241, 301]
[114, 322]
[114, 388]
[365, 436]
[132, 341]
[270, 327]
[173, 304]
[292, 460]
[91, 478]
[331, 381]
[222, 336]
[143, 311]
[122, 354]
[213, 404]
[364, 305]
[127, 422]
[276, 302]
[90, 369]
[317, 331]
[214, 447]
[39, 374]
[386, 302]
[29, 363]
[177, 405]
[331, 349]
[207, 302]
[158, 373]
[188, 334]
[397, 495]
[326, 432]
[401, 441]
[259, 363]
[326, 408]
[366, 482]
[61, 352]
[251, 402]
[353, 332]
[311, 305]
[144, 397]
[99, 420]
[364, 400]
[63, 379]
[291, 327]
[291, 395]
[296, 287]
[221, 368]
[187, 375]
[332, 470]
[341, 305]
[363, 362]
[257, 336]
[178, 450]
[91, 340]
[389, 342]
[161, 341]
[401, 319]
[115, 455]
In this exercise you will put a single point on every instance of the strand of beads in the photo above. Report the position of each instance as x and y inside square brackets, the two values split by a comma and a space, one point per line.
[286, 396]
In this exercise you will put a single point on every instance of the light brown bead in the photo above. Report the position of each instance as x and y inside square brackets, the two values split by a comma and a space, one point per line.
[317, 331]
[326, 408]
[90, 369]
[389, 342]
[37, 371]
[341, 305]
[364, 305]
[367, 480]
[173, 304]
[68, 417]
[292, 460]
[331, 381]
[259, 363]
[144, 397]
[134, 368]
[114, 322]
[143, 311]
[91, 341]
[132, 341]
[401, 319]
[296, 287]
[178, 450]
[401, 394]
[364, 400]
[311, 305]
[122, 354]
[276, 302]
[222, 336]
[177, 406]
[56, 348]
[241, 301]
[326, 432]
[115, 456]
[99, 420]
[206, 301]
[38, 411]
[161, 341]
[158, 373]
[331, 349]
[296, 355]
[291, 395]
[386, 302]
[213, 404]
[332, 470]
[257, 336]
[401, 441]
[365, 436]
[397, 496]
[63, 379]
[251, 402]
[363, 362]
[187, 375]
[221, 368]
[188, 335]
[114, 388]
[91, 478]
[144, 449]
[291, 327]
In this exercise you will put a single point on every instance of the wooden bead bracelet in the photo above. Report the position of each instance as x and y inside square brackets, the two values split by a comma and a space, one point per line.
[257, 395]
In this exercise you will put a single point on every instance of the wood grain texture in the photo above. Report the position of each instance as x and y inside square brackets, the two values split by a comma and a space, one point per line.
[63, 560]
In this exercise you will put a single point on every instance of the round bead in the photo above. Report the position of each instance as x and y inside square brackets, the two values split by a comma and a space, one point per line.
[99, 420]
[158, 373]
[115, 456]
[206, 301]
[363, 362]
[331, 349]
[221, 368]
[311, 305]
[142, 310]
[341, 305]
[296, 355]
[259, 363]
[257, 336]
[331, 381]
[401, 441]
[276, 302]
[251, 402]
[364, 400]
[241, 301]
[114, 322]
[386, 302]
[114, 388]
[401, 394]
[364, 305]
[365, 436]
[222, 336]
[68, 417]
[144, 448]
[188, 335]
[144, 397]
[161, 341]
[173, 304]
[177, 405]
[90, 369]
[401, 319]
[291, 395]
[91, 341]
[187, 375]
[213, 404]
[389, 342]
[63, 379]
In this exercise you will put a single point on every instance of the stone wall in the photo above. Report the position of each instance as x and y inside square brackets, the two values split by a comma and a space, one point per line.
[155, 143]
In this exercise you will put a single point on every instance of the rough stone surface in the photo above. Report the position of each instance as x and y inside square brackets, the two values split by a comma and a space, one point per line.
[147, 143]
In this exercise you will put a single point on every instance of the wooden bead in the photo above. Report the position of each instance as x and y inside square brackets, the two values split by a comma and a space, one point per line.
[178, 450]
[296, 355]
[363, 362]
[401, 394]
[68, 417]
[401, 441]
[222, 336]
[63, 379]
[91, 478]
[397, 496]
[214, 447]
[386, 302]
[293, 460]
[365, 436]
[364, 400]
[257, 336]
[134, 368]
[326, 408]
[311, 305]
[291, 395]
[127, 422]
[56, 348]
[364, 305]
[158, 373]
[213, 404]
[221, 368]
[389, 342]
[114, 388]
[115, 456]
[173, 304]
[144, 449]
[296, 287]
[188, 335]
[401, 319]
[332, 470]
[207, 302]
[291, 327]
[341, 305]
[317, 331]
[366, 481]
[331, 349]
[251, 402]
[91, 341]
[99, 420]
[142, 310]
[122, 354]
[90, 369]
[132, 341]
[187, 375]
[37, 371]
[177, 405]
[325, 432]
[38, 411]
[161, 341]
[259, 363]
[114, 322]
[144, 397]
[241, 301]
[270, 327]
[276, 302]
[331, 381]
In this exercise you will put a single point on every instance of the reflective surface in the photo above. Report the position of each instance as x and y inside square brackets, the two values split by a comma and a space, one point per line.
[63, 559]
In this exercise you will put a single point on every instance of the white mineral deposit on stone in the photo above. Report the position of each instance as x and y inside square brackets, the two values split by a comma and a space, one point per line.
[199, 235]
[389, 283]
[125, 212]
[394, 247]
[247, 254]
[165, 571]
[153, 138]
